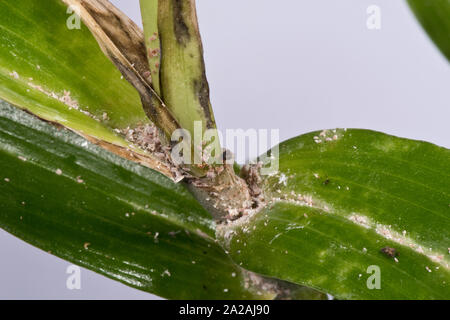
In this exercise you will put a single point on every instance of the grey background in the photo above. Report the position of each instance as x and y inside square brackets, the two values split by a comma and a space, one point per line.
[293, 65]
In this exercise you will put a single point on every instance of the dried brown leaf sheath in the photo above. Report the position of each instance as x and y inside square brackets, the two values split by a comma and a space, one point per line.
[123, 43]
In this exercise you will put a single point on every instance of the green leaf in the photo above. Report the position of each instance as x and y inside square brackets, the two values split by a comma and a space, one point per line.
[88, 206]
[340, 198]
[434, 15]
[41, 59]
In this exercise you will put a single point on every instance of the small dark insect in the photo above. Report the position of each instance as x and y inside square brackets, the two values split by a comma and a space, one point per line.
[326, 182]
[390, 252]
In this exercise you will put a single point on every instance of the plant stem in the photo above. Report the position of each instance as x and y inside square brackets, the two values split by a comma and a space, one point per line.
[183, 84]
[149, 12]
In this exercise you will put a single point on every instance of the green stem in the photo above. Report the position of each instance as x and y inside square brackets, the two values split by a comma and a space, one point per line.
[182, 79]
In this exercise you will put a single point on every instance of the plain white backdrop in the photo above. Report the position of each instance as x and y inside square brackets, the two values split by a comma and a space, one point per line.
[293, 65]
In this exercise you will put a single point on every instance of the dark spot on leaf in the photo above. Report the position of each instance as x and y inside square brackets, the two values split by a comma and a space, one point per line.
[180, 27]
[201, 88]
